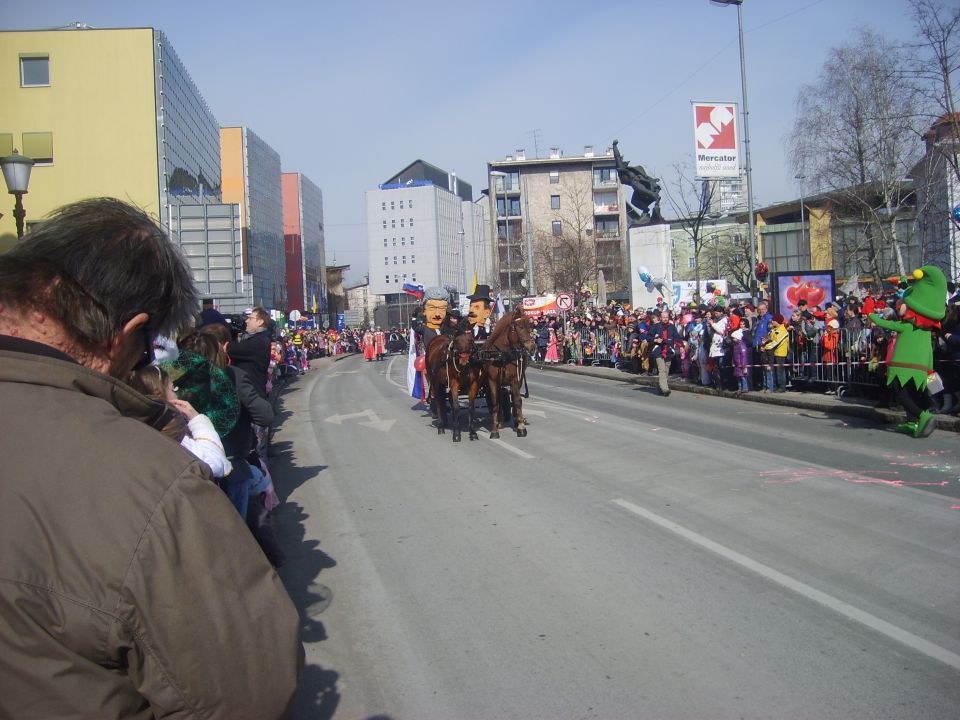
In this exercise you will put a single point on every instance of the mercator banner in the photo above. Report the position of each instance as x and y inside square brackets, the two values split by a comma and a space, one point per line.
[716, 152]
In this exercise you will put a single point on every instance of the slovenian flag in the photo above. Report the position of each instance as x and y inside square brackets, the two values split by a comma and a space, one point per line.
[414, 377]
[415, 290]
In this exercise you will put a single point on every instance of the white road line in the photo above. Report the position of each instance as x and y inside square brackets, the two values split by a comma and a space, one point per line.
[839, 606]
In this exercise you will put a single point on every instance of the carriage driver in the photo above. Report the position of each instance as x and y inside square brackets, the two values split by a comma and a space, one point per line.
[480, 302]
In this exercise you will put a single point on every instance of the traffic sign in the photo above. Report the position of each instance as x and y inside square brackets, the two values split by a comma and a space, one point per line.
[564, 302]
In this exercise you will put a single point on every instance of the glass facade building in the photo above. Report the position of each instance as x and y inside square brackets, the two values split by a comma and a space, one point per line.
[263, 199]
[188, 134]
[314, 244]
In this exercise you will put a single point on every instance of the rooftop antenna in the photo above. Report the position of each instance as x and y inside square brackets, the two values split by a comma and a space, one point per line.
[76, 25]
[536, 142]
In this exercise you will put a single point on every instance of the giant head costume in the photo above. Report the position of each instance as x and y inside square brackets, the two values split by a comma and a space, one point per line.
[480, 305]
[436, 302]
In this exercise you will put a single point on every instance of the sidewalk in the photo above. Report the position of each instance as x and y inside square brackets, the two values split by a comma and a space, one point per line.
[830, 404]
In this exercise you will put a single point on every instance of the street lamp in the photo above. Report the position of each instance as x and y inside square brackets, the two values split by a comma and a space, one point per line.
[506, 225]
[746, 146]
[803, 235]
[16, 173]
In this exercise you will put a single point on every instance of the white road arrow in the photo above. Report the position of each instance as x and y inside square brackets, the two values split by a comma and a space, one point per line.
[374, 420]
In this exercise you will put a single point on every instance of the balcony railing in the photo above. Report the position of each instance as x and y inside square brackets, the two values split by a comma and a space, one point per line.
[605, 209]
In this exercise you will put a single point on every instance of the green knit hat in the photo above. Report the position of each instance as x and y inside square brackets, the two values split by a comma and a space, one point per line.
[206, 387]
[927, 295]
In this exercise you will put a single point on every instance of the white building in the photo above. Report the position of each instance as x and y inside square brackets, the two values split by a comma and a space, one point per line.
[423, 228]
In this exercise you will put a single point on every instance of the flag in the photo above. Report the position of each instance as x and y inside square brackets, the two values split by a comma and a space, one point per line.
[498, 307]
[415, 290]
[313, 300]
[473, 290]
[414, 377]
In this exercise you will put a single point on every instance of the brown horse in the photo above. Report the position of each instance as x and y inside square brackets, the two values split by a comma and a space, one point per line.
[506, 354]
[449, 364]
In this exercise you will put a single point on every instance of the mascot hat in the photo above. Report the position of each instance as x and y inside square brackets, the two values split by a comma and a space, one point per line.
[927, 295]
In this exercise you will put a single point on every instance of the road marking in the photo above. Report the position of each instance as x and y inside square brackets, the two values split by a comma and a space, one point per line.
[502, 444]
[893, 632]
[374, 420]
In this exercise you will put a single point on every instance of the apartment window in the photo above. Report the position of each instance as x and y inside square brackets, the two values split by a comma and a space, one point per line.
[384, 242]
[404, 259]
[384, 224]
[387, 279]
[411, 222]
[394, 242]
[6, 144]
[411, 239]
[394, 259]
[393, 223]
[414, 277]
[403, 241]
[554, 177]
[554, 202]
[34, 70]
[557, 227]
[401, 222]
[386, 261]
[413, 259]
[691, 262]
[383, 206]
[39, 146]
[393, 205]
[396, 278]
[410, 205]
[401, 204]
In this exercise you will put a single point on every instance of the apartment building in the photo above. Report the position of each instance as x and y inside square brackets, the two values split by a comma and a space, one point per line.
[569, 212]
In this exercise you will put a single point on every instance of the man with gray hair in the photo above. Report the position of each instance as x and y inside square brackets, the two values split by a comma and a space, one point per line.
[129, 587]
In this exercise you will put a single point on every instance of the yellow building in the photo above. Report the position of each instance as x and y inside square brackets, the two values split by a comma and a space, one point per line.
[104, 113]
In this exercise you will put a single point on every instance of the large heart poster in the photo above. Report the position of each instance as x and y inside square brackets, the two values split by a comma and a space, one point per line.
[814, 286]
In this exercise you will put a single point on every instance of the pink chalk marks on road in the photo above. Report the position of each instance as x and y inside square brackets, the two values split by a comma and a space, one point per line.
[786, 476]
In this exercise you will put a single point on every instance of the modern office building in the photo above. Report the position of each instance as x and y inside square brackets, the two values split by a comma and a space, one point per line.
[422, 229]
[109, 112]
[569, 210]
[250, 172]
[304, 243]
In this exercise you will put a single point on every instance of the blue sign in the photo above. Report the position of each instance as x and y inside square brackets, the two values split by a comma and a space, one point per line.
[340, 322]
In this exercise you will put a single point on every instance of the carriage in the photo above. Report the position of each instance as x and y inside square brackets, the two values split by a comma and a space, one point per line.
[458, 365]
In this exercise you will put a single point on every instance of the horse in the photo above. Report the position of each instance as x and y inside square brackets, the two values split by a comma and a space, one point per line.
[506, 353]
[450, 364]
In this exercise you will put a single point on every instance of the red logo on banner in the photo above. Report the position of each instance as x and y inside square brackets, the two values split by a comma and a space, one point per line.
[715, 127]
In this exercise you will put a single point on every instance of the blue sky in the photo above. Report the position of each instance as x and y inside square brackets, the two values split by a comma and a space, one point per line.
[351, 92]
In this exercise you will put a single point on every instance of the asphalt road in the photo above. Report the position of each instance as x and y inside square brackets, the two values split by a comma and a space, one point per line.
[633, 557]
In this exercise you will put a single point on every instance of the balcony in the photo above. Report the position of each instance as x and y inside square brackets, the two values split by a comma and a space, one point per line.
[606, 209]
[604, 184]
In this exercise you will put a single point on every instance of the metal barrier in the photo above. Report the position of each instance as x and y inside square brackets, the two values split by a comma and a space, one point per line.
[846, 360]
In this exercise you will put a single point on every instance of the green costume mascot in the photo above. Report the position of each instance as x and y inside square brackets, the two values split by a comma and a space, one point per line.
[922, 308]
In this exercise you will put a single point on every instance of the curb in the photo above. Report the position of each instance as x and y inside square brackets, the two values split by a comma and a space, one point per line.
[789, 399]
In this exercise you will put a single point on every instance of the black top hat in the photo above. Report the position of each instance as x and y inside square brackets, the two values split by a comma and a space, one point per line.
[481, 293]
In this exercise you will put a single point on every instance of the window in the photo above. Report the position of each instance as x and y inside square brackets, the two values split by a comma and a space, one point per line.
[411, 239]
[394, 259]
[410, 205]
[394, 242]
[404, 259]
[401, 204]
[396, 278]
[414, 277]
[401, 222]
[412, 259]
[6, 144]
[384, 242]
[554, 202]
[557, 227]
[34, 70]
[387, 279]
[383, 206]
[386, 261]
[411, 222]
[393, 223]
[691, 262]
[403, 241]
[39, 146]
[554, 177]
[604, 176]
[393, 205]
[384, 223]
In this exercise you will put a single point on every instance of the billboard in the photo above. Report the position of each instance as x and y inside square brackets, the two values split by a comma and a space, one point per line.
[715, 134]
[817, 287]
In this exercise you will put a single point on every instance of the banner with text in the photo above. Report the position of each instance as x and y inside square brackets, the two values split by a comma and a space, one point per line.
[715, 133]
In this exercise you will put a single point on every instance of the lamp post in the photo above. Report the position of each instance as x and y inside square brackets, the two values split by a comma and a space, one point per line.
[803, 235]
[746, 146]
[16, 173]
[506, 227]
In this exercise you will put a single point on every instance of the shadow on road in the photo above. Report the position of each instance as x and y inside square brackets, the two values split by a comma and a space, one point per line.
[317, 695]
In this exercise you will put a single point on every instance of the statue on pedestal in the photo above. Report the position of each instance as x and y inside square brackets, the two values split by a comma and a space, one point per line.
[644, 207]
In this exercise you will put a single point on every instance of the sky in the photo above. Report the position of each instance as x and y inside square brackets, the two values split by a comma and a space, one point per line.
[349, 93]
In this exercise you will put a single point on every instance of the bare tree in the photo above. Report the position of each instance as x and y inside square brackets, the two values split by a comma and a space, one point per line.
[690, 200]
[565, 254]
[857, 136]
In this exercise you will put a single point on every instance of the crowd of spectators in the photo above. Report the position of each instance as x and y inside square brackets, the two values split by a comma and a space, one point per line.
[742, 347]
